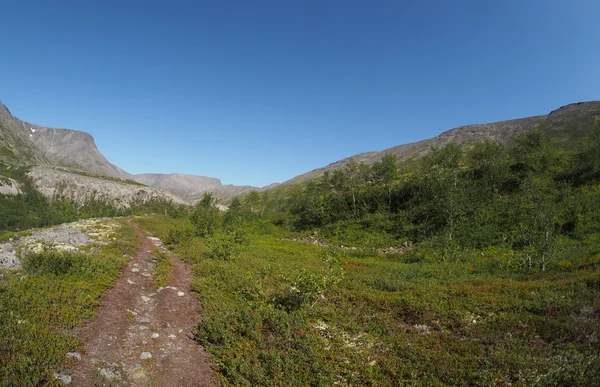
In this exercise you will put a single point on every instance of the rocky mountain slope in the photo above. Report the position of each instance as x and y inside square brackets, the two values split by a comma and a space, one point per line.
[191, 187]
[178, 184]
[47, 151]
[72, 149]
[24, 143]
[81, 189]
[574, 117]
[16, 148]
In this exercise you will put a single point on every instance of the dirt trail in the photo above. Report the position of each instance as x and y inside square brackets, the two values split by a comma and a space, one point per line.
[142, 335]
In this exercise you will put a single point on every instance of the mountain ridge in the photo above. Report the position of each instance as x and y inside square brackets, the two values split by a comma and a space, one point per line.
[500, 131]
[27, 144]
[24, 143]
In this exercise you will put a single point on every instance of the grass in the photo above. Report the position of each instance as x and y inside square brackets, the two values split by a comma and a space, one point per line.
[163, 269]
[42, 303]
[389, 322]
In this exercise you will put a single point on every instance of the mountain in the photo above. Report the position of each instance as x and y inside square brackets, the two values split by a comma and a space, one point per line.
[72, 149]
[191, 187]
[568, 121]
[26, 144]
[22, 143]
[67, 163]
[178, 184]
[16, 147]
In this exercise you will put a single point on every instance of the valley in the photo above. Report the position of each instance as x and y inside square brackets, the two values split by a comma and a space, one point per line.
[469, 259]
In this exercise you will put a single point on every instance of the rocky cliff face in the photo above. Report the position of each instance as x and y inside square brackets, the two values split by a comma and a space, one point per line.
[23, 143]
[72, 149]
[9, 186]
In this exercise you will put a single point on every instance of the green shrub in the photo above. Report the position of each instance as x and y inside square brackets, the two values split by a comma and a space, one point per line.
[308, 288]
[56, 262]
[180, 233]
[163, 268]
[224, 245]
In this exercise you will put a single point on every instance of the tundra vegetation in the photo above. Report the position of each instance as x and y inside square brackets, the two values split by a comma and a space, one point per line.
[475, 265]
[55, 292]
[494, 278]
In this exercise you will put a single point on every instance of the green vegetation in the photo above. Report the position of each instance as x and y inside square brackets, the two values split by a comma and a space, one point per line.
[39, 305]
[286, 313]
[163, 269]
[500, 284]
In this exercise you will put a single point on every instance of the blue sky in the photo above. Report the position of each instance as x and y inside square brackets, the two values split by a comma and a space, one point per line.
[255, 92]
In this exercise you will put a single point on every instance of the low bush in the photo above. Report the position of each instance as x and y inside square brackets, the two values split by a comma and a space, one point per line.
[41, 304]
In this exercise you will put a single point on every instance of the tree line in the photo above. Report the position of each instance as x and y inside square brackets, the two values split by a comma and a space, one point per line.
[530, 196]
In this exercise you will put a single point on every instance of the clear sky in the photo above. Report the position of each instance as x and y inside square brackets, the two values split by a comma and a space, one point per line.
[255, 92]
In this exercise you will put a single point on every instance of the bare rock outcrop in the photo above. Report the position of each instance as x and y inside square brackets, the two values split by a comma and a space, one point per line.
[9, 186]
[80, 189]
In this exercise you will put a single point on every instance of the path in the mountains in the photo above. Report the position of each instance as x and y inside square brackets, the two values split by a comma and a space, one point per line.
[143, 335]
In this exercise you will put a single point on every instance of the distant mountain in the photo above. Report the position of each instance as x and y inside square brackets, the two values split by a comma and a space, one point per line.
[178, 184]
[569, 121]
[191, 187]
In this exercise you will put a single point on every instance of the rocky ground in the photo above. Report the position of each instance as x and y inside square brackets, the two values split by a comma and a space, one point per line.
[314, 239]
[66, 237]
[9, 186]
[80, 189]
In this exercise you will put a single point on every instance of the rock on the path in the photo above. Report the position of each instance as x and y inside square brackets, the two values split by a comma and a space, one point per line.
[110, 375]
[74, 355]
[155, 335]
[146, 356]
[145, 299]
[135, 270]
[172, 336]
[63, 378]
[180, 294]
